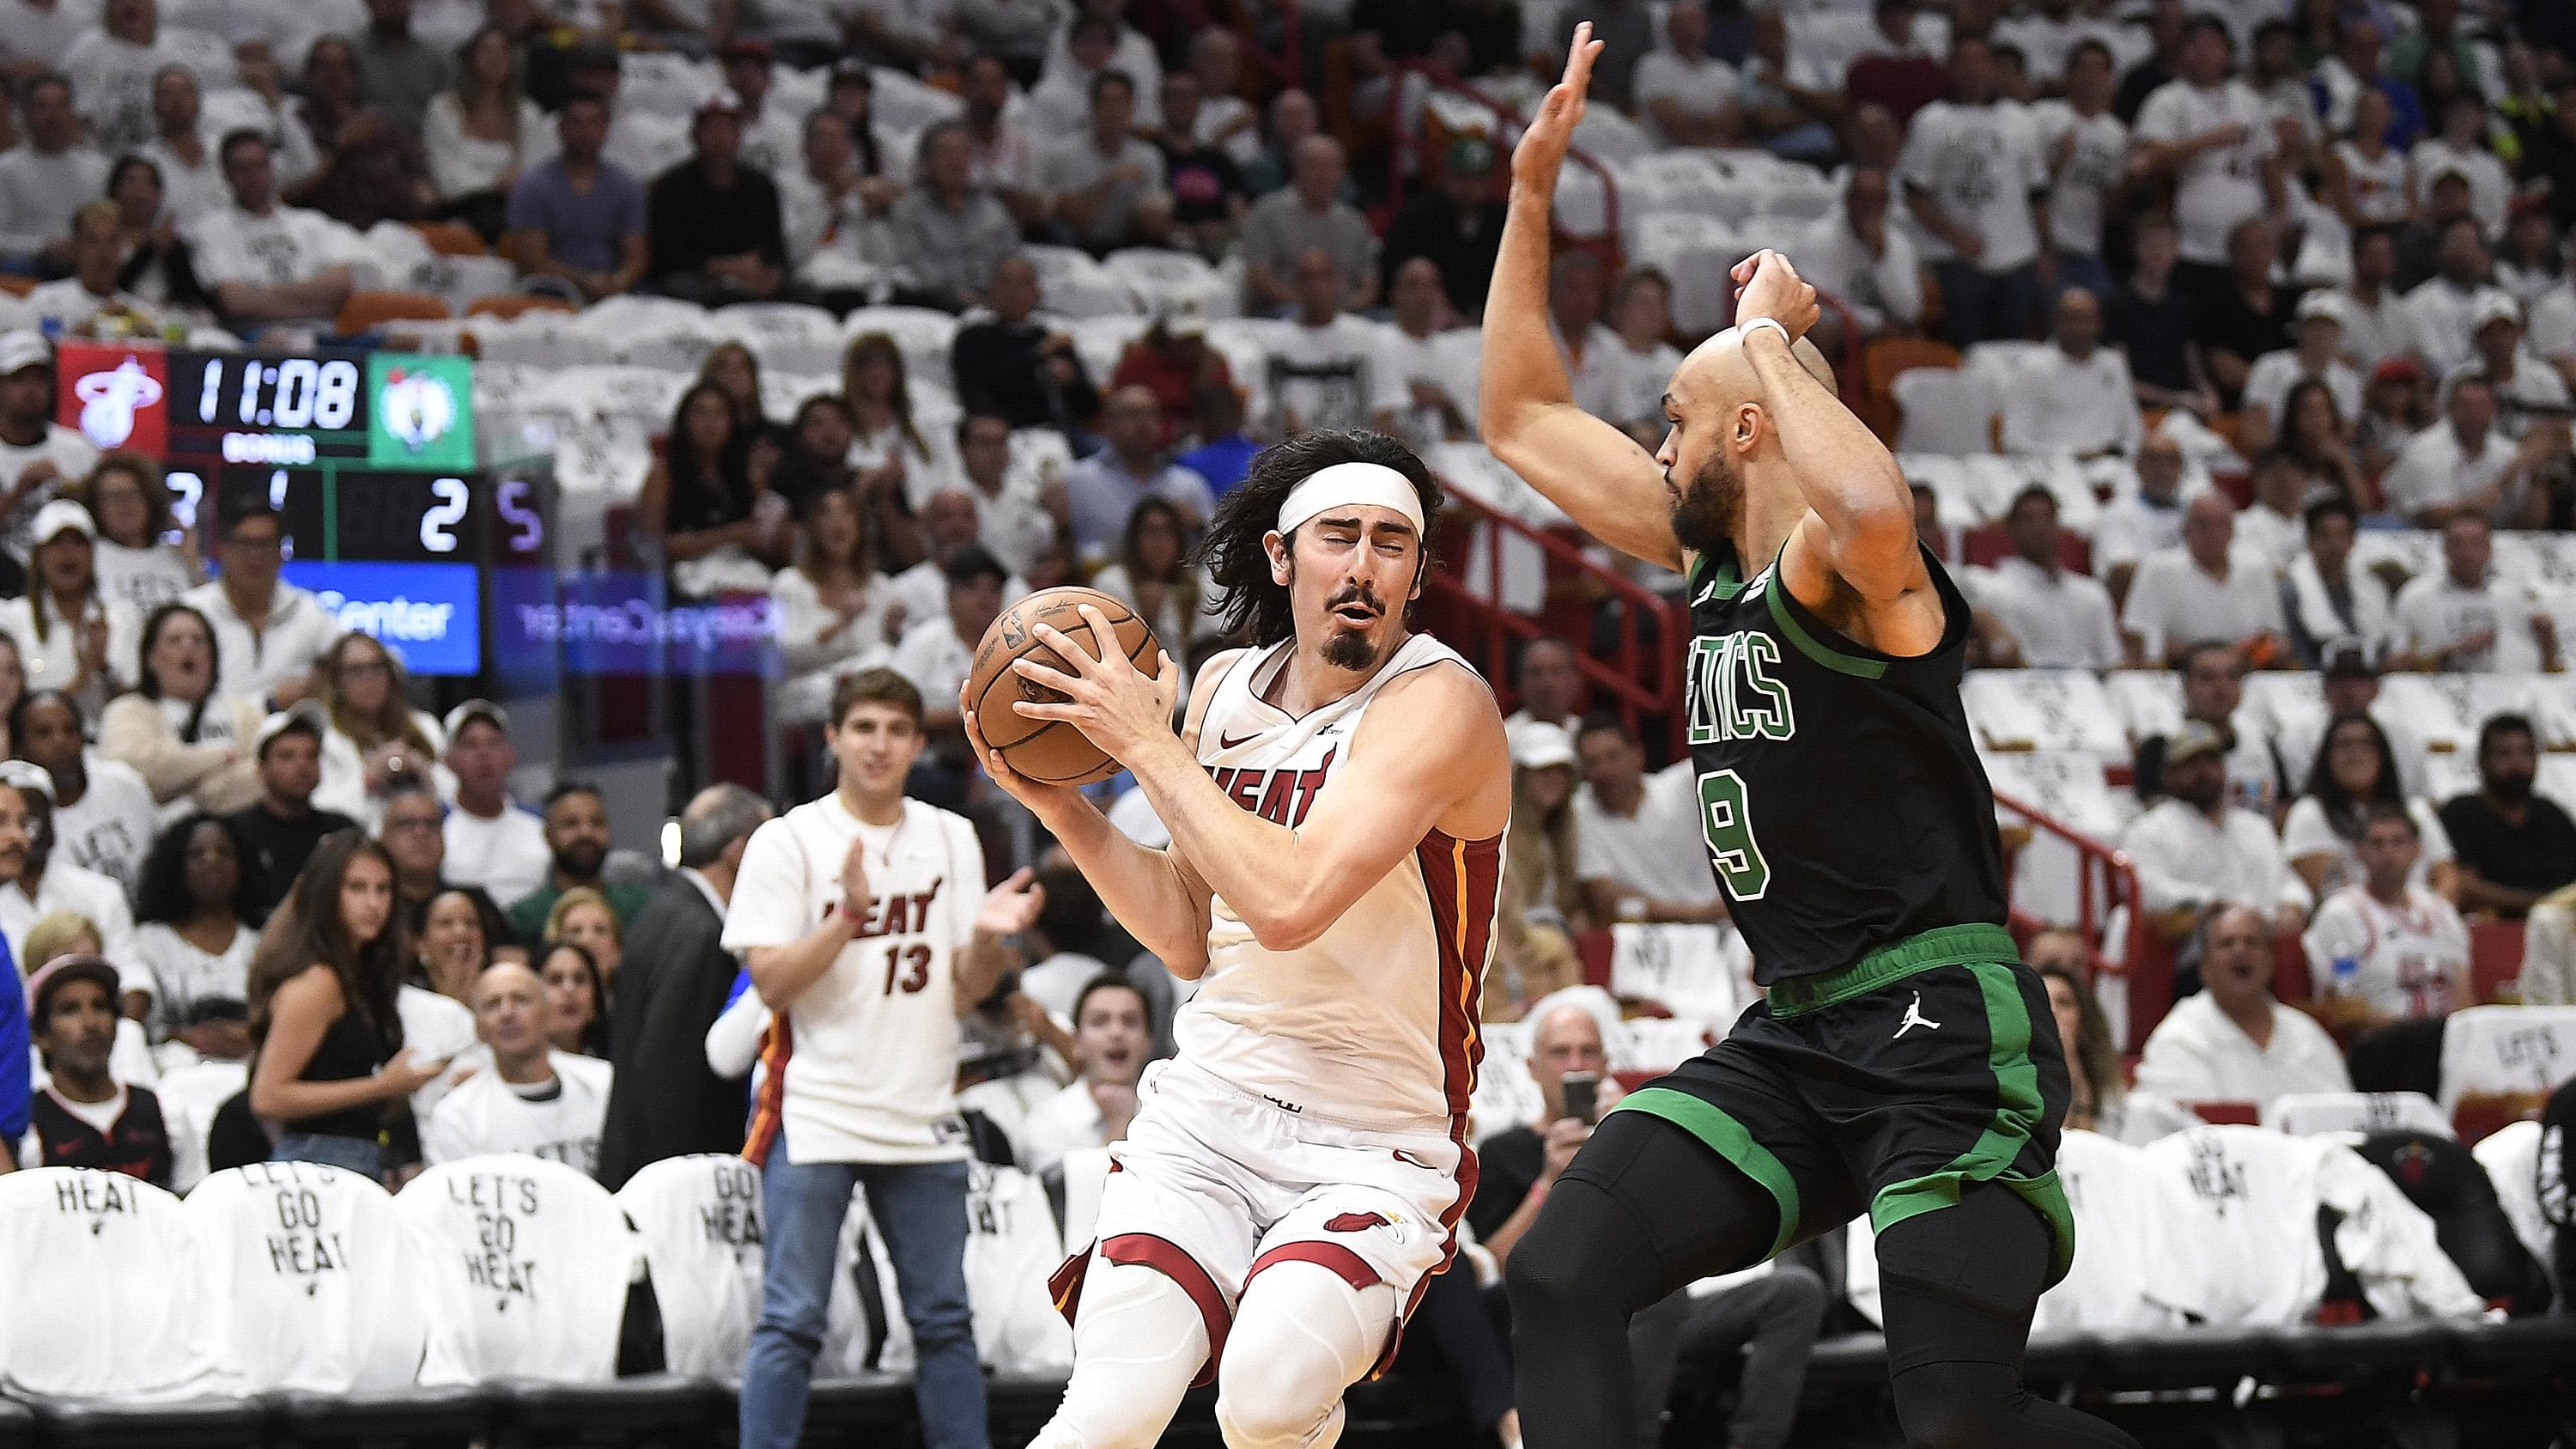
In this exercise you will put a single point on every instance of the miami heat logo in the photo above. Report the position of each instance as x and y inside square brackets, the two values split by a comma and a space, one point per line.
[1357, 1222]
[109, 401]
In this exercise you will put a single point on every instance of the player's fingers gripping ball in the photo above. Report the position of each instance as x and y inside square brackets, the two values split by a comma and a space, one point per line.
[1047, 751]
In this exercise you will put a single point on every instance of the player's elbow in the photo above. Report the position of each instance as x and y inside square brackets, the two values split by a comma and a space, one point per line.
[1290, 924]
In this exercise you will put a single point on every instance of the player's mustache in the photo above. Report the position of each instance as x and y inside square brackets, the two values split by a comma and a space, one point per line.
[1360, 594]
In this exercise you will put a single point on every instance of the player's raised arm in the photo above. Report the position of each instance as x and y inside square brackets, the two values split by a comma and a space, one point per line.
[1860, 523]
[1527, 414]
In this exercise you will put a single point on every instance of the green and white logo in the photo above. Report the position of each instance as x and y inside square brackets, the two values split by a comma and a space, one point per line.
[423, 416]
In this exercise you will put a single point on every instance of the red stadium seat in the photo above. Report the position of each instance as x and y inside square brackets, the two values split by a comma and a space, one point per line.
[2495, 959]
[1987, 544]
[2478, 1117]
[2289, 968]
[2229, 1114]
[1594, 948]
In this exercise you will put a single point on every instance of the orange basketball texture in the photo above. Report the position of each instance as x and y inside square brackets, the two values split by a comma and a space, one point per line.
[1051, 752]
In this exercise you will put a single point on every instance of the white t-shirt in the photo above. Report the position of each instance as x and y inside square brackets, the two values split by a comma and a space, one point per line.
[112, 826]
[2269, 380]
[2093, 170]
[1698, 86]
[1659, 852]
[118, 1248]
[1334, 376]
[2184, 859]
[1447, 361]
[2553, 323]
[143, 579]
[288, 245]
[935, 660]
[2060, 620]
[2433, 470]
[2382, 190]
[2440, 312]
[1067, 1122]
[182, 974]
[309, 1273]
[254, 663]
[1979, 165]
[190, 1096]
[53, 661]
[558, 1120]
[2305, 831]
[112, 83]
[2171, 600]
[44, 33]
[2435, 611]
[83, 892]
[2059, 404]
[2197, 1055]
[2132, 526]
[505, 854]
[2410, 961]
[524, 1268]
[72, 456]
[2223, 185]
[698, 1221]
[2490, 185]
[40, 190]
[871, 1046]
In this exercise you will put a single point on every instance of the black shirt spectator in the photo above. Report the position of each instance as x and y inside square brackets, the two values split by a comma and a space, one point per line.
[1012, 367]
[276, 835]
[711, 224]
[83, 1116]
[2156, 332]
[1457, 223]
[2513, 846]
[1208, 194]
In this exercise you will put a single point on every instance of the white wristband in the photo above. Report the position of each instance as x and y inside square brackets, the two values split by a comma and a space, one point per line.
[1775, 324]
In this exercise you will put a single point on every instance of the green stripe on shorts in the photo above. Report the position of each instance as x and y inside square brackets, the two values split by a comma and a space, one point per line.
[2018, 1110]
[1728, 1139]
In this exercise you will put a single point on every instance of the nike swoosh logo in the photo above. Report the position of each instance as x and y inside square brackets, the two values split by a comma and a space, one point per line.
[1223, 742]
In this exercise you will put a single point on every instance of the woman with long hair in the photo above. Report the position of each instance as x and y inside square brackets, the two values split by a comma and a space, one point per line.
[328, 1062]
[192, 919]
[153, 260]
[70, 636]
[2094, 1074]
[2354, 770]
[332, 99]
[2313, 434]
[454, 942]
[376, 737]
[583, 917]
[188, 739]
[483, 132]
[705, 499]
[886, 446]
[136, 561]
[576, 1001]
[1153, 574]
[735, 369]
[1542, 905]
[831, 605]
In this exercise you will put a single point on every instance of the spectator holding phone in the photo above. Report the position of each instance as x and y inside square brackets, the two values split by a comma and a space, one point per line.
[1571, 1065]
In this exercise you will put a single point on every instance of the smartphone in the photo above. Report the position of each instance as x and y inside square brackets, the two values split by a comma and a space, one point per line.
[1582, 1095]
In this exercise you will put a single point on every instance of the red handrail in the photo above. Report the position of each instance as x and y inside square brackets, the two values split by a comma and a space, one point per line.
[1642, 682]
[2105, 878]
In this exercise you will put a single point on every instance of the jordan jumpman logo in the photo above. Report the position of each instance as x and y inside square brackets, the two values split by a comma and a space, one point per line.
[1914, 1017]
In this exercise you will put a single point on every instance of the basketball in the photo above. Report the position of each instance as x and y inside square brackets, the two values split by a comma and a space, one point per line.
[1051, 752]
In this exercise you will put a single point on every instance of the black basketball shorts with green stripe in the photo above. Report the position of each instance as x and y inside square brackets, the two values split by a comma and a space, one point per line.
[1888, 1088]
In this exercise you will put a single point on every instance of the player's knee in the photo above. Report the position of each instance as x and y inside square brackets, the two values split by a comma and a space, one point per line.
[1257, 1420]
[1954, 1405]
[1561, 1266]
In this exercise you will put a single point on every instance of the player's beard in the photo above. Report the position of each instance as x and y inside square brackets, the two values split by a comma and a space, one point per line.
[1345, 647]
[1704, 514]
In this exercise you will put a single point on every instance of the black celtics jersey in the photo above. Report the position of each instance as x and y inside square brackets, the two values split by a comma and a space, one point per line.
[1839, 787]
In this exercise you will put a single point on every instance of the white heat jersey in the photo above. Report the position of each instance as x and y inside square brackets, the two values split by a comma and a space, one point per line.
[2410, 962]
[308, 1275]
[1374, 1023]
[559, 1121]
[862, 1067]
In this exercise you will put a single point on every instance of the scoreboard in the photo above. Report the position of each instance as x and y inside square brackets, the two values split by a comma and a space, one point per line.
[368, 458]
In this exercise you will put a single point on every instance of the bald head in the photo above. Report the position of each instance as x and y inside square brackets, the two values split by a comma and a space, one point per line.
[510, 1015]
[1719, 430]
[2208, 529]
[2079, 323]
[1318, 170]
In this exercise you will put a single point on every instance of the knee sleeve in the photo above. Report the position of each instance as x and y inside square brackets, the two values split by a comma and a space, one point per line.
[1138, 1341]
[1301, 1335]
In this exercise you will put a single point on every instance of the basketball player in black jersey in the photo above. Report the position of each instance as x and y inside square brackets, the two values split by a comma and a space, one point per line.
[1905, 1063]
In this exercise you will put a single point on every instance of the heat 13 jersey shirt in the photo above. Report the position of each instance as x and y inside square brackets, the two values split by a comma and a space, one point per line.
[1374, 1023]
[862, 1065]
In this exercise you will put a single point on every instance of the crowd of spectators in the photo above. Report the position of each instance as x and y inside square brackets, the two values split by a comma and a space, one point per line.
[2267, 281]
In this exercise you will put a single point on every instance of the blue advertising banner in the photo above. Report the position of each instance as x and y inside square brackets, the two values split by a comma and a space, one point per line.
[429, 614]
[620, 623]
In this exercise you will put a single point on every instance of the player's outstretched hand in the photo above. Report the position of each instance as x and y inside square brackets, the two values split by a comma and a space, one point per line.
[1769, 287]
[1542, 148]
[1012, 906]
[1117, 706]
[1038, 797]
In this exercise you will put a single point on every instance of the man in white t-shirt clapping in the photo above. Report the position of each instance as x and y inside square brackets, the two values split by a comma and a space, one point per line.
[865, 924]
[492, 840]
[2214, 136]
[534, 1100]
[2465, 466]
[1975, 184]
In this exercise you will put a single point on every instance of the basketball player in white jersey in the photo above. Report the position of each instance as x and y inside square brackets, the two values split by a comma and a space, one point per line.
[1337, 799]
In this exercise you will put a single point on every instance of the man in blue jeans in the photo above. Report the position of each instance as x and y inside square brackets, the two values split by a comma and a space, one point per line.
[865, 924]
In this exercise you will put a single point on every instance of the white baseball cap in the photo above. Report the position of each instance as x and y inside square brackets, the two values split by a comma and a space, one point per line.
[2325, 303]
[2494, 307]
[1536, 745]
[61, 514]
[24, 349]
[26, 775]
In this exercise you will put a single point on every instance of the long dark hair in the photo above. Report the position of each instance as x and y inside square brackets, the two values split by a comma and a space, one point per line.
[161, 895]
[150, 688]
[306, 932]
[2346, 814]
[594, 1032]
[1232, 551]
[2291, 443]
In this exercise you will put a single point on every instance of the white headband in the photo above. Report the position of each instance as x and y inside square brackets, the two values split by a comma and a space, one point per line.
[1344, 485]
